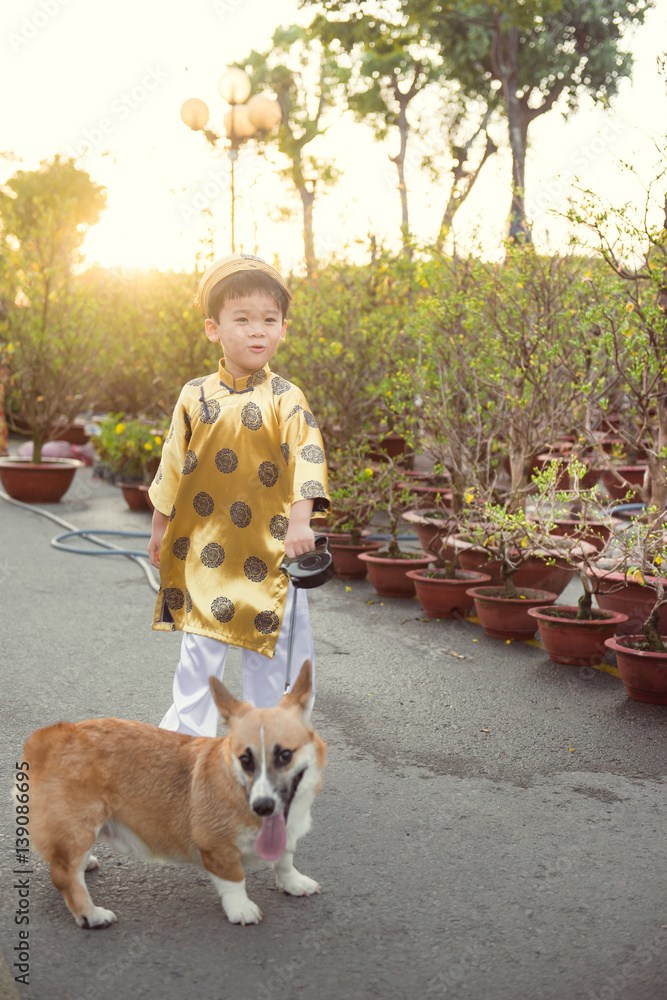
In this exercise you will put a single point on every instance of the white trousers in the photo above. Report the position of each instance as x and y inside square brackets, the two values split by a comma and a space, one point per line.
[194, 712]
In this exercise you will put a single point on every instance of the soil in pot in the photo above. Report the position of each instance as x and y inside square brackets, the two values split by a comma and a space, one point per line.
[643, 671]
[568, 639]
[389, 576]
[441, 597]
[505, 617]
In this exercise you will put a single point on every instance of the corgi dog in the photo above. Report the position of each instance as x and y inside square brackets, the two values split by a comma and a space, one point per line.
[219, 803]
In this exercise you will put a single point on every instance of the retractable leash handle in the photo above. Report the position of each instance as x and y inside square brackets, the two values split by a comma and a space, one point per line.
[312, 569]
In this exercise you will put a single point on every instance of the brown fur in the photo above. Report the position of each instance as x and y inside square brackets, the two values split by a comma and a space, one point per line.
[178, 794]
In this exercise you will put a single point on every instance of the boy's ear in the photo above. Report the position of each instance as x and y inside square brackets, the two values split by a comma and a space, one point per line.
[211, 328]
[282, 335]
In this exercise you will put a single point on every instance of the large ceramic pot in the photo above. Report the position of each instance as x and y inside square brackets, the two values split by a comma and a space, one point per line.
[615, 593]
[136, 496]
[634, 474]
[41, 482]
[596, 533]
[389, 576]
[643, 672]
[535, 572]
[569, 640]
[446, 598]
[506, 617]
[428, 524]
[347, 565]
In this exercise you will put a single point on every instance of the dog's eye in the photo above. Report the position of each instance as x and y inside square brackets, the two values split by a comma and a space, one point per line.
[285, 756]
[247, 761]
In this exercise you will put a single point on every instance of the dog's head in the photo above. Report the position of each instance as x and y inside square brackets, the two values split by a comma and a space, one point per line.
[276, 756]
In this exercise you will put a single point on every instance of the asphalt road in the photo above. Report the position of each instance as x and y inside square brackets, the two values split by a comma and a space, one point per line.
[522, 863]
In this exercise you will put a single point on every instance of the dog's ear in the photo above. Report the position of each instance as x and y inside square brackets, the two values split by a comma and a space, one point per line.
[227, 704]
[300, 693]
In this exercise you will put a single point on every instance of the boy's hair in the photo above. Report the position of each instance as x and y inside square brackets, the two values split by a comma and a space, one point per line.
[244, 283]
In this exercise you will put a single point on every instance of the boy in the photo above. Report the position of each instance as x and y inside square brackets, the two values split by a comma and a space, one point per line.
[242, 470]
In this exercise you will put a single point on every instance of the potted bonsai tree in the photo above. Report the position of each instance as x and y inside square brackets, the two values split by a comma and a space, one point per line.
[388, 566]
[129, 455]
[48, 324]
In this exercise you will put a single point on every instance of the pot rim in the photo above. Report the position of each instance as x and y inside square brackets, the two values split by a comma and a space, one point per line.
[620, 647]
[545, 595]
[372, 556]
[471, 575]
[16, 462]
[609, 617]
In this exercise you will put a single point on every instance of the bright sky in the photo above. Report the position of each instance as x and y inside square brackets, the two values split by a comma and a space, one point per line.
[109, 80]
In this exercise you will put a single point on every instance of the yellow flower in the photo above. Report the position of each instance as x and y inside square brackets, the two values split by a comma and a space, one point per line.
[158, 439]
[629, 306]
[368, 471]
[148, 446]
[120, 428]
[469, 497]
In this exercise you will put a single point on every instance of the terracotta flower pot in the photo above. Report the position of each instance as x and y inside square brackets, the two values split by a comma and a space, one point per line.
[505, 617]
[597, 532]
[443, 598]
[615, 593]
[43, 482]
[136, 496]
[634, 475]
[347, 565]
[568, 640]
[535, 572]
[389, 576]
[643, 672]
[428, 524]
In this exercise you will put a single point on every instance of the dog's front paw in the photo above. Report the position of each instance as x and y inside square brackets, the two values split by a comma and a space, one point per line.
[92, 863]
[296, 884]
[245, 912]
[97, 918]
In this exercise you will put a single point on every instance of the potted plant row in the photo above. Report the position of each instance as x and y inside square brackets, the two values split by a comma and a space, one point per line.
[129, 454]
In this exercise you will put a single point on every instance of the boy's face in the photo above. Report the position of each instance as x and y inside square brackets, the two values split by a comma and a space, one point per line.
[249, 331]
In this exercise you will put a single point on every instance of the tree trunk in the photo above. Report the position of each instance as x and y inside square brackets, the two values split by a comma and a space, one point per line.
[307, 199]
[399, 160]
[457, 195]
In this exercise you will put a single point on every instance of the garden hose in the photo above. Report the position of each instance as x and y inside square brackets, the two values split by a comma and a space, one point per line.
[89, 534]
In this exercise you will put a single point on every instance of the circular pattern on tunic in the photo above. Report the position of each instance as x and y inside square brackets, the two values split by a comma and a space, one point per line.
[203, 504]
[240, 514]
[181, 547]
[188, 602]
[256, 379]
[174, 598]
[312, 489]
[188, 426]
[251, 416]
[255, 569]
[278, 526]
[268, 474]
[226, 461]
[222, 609]
[212, 555]
[267, 622]
[279, 386]
[285, 450]
[312, 453]
[169, 435]
[293, 411]
[190, 463]
[197, 381]
[209, 411]
[173, 514]
[158, 474]
[310, 419]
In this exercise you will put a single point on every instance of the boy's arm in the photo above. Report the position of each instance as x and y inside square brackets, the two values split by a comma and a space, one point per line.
[160, 522]
[300, 536]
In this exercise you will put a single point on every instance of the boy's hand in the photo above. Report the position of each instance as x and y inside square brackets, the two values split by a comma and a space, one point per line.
[160, 522]
[300, 536]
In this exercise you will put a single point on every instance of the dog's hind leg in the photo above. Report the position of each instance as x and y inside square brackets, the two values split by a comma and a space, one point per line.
[68, 862]
[292, 881]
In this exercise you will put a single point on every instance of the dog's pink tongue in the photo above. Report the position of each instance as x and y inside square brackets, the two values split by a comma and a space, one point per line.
[272, 838]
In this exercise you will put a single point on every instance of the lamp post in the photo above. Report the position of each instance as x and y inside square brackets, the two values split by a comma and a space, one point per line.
[246, 117]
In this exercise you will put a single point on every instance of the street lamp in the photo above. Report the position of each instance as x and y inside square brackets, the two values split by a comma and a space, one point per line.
[244, 119]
